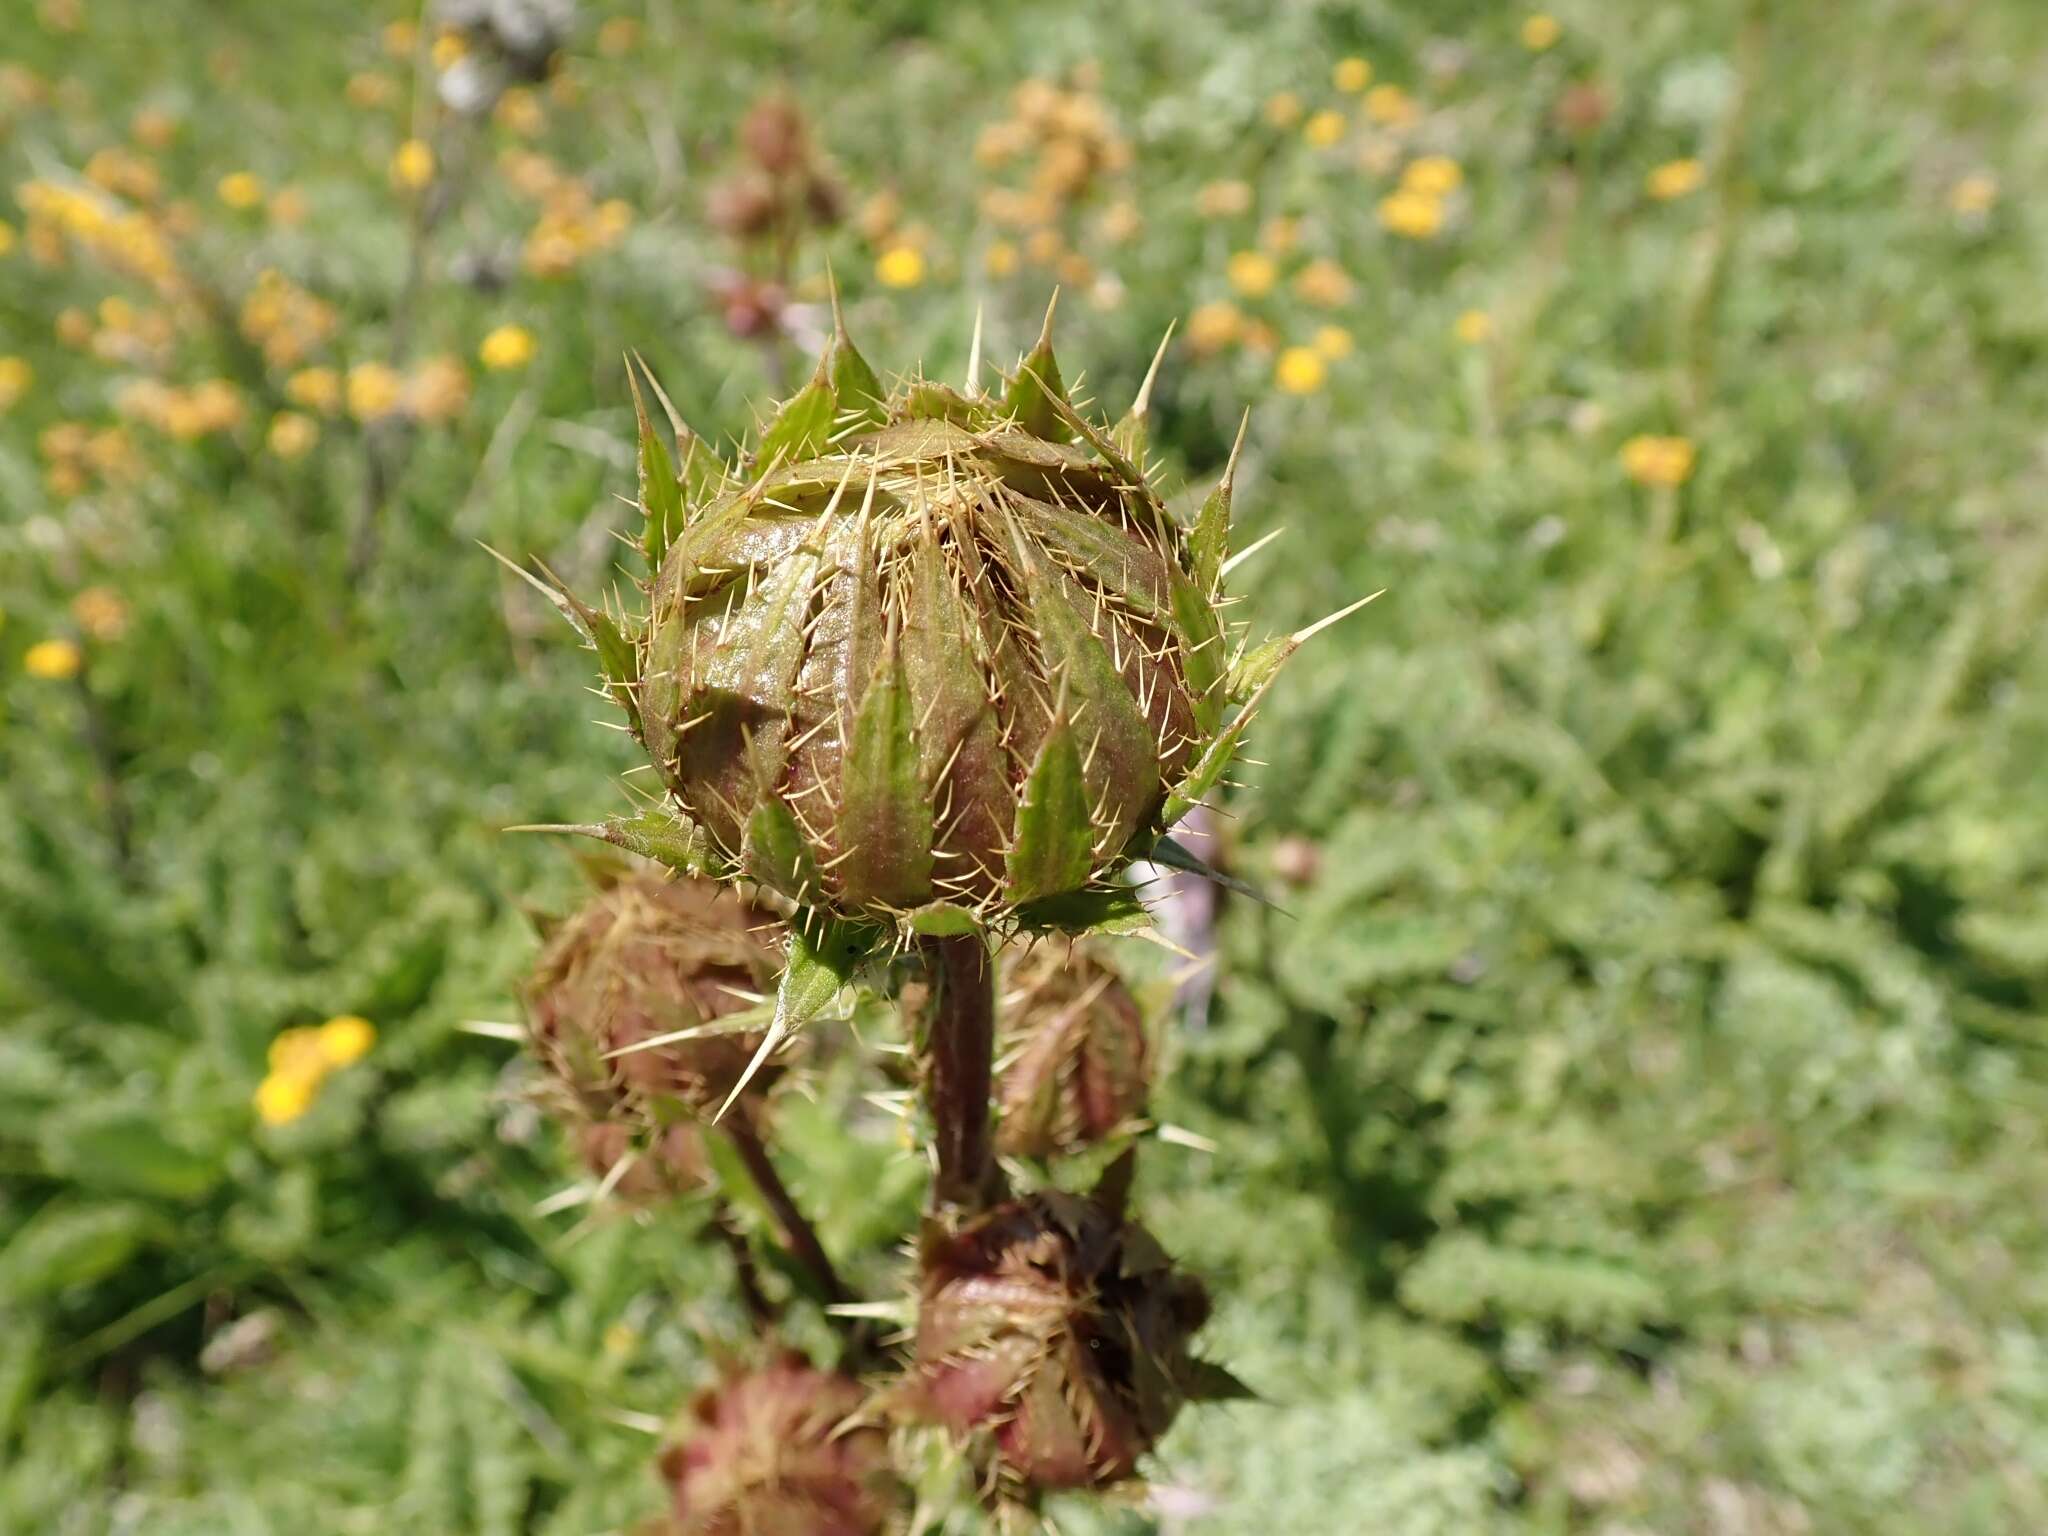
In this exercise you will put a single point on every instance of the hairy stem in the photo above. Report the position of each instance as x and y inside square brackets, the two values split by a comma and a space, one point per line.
[960, 1041]
[797, 1230]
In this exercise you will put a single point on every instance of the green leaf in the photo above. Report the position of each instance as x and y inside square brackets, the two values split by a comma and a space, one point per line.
[1209, 544]
[1054, 846]
[125, 1151]
[1202, 658]
[885, 811]
[661, 493]
[1175, 855]
[23, 1344]
[774, 852]
[803, 426]
[1036, 386]
[857, 393]
[1104, 910]
[64, 1245]
[661, 835]
[943, 920]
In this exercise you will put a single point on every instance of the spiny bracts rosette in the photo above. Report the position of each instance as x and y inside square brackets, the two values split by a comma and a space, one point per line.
[1076, 1060]
[928, 658]
[777, 1451]
[1053, 1341]
[651, 958]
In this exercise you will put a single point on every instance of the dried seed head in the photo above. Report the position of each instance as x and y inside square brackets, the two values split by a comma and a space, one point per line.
[1076, 1060]
[771, 1453]
[933, 650]
[1052, 1340]
[648, 957]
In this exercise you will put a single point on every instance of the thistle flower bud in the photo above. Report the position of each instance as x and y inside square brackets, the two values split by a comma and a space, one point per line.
[774, 134]
[934, 657]
[649, 957]
[1052, 1339]
[1077, 1061]
[743, 205]
[770, 1453]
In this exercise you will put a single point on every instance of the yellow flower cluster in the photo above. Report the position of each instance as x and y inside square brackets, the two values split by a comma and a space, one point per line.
[1062, 143]
[300, 1061]
[53, 661]
[140, 338]
[101, 612]
[1415, 209]
[572, 224]
[285, 320]
[186, 412]
[101, 225]
[507, 348]
[124, 173]
[16, 375]
[74, 455]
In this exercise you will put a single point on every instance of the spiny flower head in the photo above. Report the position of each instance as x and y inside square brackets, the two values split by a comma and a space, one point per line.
[928, 659]
[649, 957]
[1053, 1340]
[771, 1453]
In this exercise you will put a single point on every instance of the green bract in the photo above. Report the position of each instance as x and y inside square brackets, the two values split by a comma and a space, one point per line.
[928, 660]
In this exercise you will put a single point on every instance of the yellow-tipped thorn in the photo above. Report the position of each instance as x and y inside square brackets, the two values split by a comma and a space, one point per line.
[974, 356]
[1248, 551]
[1301, 636]
[1143, 403]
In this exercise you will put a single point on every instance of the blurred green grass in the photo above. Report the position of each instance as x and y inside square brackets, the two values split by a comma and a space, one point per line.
[1637, 1126]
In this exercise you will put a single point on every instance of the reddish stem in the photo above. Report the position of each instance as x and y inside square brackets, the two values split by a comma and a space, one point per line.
[960, 1030]
[797, 1230]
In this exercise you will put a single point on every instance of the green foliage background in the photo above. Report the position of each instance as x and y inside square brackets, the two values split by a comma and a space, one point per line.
[1636, 1123]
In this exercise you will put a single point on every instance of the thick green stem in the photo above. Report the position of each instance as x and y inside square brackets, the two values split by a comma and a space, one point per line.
[960, 1039]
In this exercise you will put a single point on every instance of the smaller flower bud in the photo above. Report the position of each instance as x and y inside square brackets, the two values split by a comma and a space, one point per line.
[743, 205]
[1076, 1061]
[772, 1451]
[1052, 1339]
[774, 134]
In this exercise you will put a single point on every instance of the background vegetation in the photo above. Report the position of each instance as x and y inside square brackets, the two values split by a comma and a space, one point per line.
[1637, 1123]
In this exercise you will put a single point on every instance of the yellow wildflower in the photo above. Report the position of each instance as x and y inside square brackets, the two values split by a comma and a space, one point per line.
[1252, 273]
[100, 611]
[1432, 176]
[346, 1038]
[296, 1052]
[374, 391]
[1658, 461]
[1474, 327]
[506, 348]
[1674, 179]
[1412, 215]
[400, 38]
[1280, 234]
[1351, 75]
[1301, 371]
[317, 389]
[1540, 31]
[240, 190]
[1001, 259]
[1283, 109]
[73, 326]
[1322, 282]
[1333, 341]
[1974, 195]
[292, 434]
[1121, 221]
[901, 266]
[52, 661]
[288, 206]
[1214, 326]
[284, 1096]
[1391, 106]
[448, 47]
[1324, 129]
[1223, 199]
[16, 375]
[412, 167]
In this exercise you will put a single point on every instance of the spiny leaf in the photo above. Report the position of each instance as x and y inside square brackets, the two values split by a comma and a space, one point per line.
[1173, 854]
[859, 394]
[823, 956]
[661, 494]
[774, 852]
[804, 425]
[1054, 846]
[658, 835]
[1210, 542]
[885, 813]
[1036, 385]
[1104, 910]
[1204, 1381]
[1130, 433]
[943, 920]
[616, 657]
